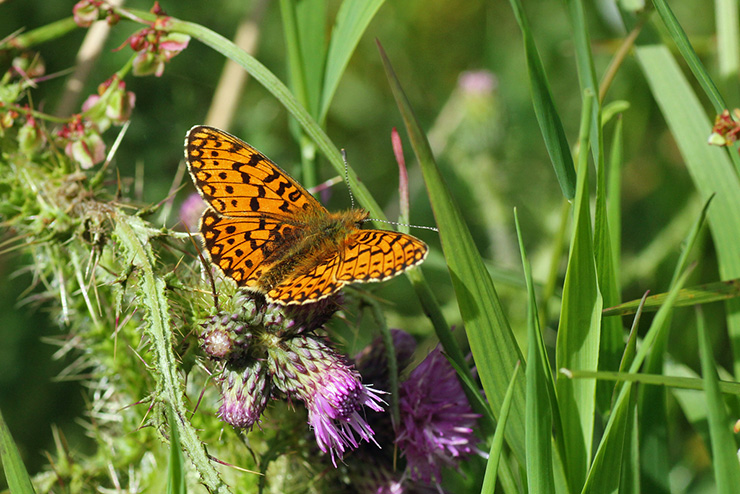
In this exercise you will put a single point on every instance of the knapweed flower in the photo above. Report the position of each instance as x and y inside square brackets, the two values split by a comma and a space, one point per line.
[245, 391]
[111, 105]
[307, 368]
[437, 423]
[156, 45]
[82, 142]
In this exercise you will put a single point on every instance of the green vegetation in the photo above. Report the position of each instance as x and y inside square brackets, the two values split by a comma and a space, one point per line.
[560, 149]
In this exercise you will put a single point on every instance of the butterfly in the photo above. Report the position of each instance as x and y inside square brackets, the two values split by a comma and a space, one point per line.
[270, 235]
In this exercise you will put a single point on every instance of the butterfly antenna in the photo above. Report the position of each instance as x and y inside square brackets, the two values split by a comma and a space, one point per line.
[395, 223]
[346, 178]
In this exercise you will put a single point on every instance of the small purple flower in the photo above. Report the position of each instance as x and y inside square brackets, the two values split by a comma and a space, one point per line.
[437, 423]
[191, 210]
[306, 368]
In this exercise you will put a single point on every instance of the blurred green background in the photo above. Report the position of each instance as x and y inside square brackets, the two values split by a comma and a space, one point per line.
[462, 65]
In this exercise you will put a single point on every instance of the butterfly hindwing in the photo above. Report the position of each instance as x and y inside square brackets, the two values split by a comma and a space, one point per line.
[244, 248]
[318, 283]
[376, 255]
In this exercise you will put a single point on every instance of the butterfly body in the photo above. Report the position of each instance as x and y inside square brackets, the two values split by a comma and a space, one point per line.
[267, 233]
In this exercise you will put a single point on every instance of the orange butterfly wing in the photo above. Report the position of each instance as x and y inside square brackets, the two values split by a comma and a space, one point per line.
[376, 255]
[261, 227]
[368, 256]
[255, 208]
[237, 180]
[244, 248]
[318, 283]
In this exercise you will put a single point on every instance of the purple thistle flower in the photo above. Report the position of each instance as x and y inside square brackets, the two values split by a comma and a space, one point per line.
[307, 368]
[437, 422]
[245, 392]
[372, 361]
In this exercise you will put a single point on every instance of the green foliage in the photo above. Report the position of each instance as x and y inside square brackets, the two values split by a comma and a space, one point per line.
[90, 231]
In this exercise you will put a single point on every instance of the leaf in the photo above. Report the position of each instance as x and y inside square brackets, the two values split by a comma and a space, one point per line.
[579, 329]
[544, 108]
[491, 340]
[15, 471]
[724, 450]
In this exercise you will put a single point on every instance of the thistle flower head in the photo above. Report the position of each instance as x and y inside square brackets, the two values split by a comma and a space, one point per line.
[437, 423]
[266, 351]
[227, 337]
[372, 361]
[245, 391]
[307, 368]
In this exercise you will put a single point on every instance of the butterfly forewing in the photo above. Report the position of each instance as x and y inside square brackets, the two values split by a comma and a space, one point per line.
[237, 180]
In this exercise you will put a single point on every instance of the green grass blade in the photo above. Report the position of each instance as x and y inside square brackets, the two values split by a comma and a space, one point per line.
[540, 389]
[724, 450]
[687, 52]
[710, 168]
[176, 468]
[580, 325]
[700, 294]
[630, 349]
[613, 195]
[612, 339]
[604, 475]
[293, 49]
[15, 471]
[586, 72]
[494, 456]
[615, 433]
[493, 345]
[312, 27]
[352, 20]
[669, 381]
[728, 48]
[304, 26]
[544, 108]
